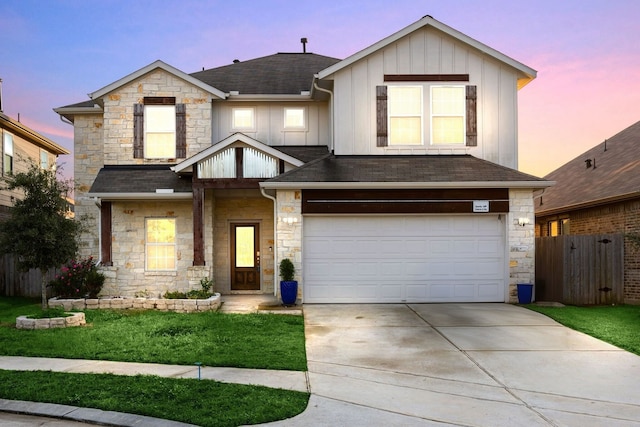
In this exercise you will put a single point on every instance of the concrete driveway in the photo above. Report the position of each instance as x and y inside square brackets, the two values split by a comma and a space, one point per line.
[462, 365]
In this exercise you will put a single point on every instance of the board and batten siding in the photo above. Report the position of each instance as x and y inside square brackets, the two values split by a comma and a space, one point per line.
[428, 51]
[269, 123]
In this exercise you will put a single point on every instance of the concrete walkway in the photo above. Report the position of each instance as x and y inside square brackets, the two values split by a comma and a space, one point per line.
[430, 365]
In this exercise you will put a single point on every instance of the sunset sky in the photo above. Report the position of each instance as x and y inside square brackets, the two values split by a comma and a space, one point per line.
[586, 52]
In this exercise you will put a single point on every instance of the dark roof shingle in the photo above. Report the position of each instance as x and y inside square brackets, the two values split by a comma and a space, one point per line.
[279, 74]
[614, 174]
[411, 168]
[138, 179]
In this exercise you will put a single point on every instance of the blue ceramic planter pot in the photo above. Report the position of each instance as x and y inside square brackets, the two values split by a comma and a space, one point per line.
[288, 291]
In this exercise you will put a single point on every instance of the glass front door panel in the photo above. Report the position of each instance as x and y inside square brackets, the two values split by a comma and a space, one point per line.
[245, 249]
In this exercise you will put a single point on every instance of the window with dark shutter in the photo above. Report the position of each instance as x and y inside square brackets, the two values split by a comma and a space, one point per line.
[181, 131]
[472, 119]
[180, 137]
[382, 132]
[138, 131]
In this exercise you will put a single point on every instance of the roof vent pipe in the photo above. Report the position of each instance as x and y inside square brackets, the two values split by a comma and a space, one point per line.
[304, 44]
[0, 95]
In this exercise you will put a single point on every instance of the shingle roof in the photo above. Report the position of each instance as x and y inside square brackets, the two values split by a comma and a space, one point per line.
[279, 74]
[138, 179]
[404, 169]
[304, 153]
[614, 174]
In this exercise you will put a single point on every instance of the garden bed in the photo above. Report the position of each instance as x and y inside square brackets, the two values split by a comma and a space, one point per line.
[178, 305]
[74, 319]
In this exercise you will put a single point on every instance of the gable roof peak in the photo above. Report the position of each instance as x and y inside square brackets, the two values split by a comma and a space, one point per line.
[526, 74]
[158, 64]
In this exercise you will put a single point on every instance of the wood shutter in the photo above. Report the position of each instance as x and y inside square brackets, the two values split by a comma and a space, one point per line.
[181, 131]
[138, 131]
[382, 126]
[472, 117]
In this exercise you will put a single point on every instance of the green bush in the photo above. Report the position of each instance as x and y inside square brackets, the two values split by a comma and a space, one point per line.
[287, 270]
[78, 279]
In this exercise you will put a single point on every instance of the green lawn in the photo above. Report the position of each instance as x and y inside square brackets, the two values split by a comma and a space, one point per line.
[261, 341]
[618, 325]
[266, 341]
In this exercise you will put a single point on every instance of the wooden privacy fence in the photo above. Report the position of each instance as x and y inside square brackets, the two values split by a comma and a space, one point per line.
[580, 270]
[15, 283]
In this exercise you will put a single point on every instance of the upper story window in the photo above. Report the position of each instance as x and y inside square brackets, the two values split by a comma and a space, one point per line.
[445, 115]
[405, 115]
[448, 115]
[159, 129]
[294, 118]
[44, 160]
[243, 118]
[7, 146]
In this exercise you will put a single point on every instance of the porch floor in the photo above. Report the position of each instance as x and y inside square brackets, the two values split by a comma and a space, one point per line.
[254, 303]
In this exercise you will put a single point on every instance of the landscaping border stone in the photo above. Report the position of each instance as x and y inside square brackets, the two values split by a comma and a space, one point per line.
[76, 319]
[124, 303]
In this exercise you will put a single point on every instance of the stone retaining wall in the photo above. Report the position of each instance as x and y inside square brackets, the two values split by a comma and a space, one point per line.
[177, 305]
[76, 319]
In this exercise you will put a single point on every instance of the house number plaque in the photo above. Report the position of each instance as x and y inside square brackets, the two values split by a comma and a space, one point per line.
[480, 206]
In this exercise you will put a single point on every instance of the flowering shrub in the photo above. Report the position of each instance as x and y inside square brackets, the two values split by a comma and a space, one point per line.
[78, 279]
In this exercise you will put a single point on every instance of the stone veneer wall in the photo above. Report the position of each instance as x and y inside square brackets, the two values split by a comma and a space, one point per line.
[127, 276]
[88, 160]
[521, 241]
[118, 116]
[289, 236]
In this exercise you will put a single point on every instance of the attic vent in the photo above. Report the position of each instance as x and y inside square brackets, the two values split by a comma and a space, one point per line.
[304, 44]
[235, 61]
[588, 163]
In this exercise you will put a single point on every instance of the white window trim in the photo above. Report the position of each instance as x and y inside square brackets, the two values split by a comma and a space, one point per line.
[462, 143]
[234, 126]
[147, 244]
[391, 144]
[295, 128]
[6, 136]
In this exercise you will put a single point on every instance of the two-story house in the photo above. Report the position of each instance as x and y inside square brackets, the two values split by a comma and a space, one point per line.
[22, 146]
[388, 176]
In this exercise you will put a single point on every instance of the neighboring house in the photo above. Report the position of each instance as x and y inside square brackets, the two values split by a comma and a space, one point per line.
[389, 176]
[22, 146]
[598, 192]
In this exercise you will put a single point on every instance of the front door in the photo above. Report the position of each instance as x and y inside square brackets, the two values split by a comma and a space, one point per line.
[245, 257]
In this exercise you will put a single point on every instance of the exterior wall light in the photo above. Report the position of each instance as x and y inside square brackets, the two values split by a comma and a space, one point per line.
[523, 221]
[289, 220]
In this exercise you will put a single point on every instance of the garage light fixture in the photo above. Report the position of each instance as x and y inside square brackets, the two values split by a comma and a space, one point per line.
[523, 221]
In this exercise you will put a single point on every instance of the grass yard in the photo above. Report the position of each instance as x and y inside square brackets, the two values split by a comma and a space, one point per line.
[618, 325]
[261, 341]
[205, 403]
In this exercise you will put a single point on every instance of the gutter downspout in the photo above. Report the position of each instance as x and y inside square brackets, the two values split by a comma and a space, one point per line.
[275, 239]
[332, 138]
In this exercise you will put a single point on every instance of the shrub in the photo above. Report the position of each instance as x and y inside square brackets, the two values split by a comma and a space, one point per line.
[78, 279]
[287, 270]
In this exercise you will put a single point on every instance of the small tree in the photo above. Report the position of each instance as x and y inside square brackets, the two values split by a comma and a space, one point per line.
[38, 231]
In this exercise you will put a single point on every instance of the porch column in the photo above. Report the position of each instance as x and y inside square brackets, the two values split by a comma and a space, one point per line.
[198, 225]
[105, 234]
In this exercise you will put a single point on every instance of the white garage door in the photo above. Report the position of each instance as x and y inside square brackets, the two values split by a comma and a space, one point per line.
[364, 259]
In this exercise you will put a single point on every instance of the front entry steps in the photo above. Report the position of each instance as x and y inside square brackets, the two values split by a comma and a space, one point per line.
[256, 303]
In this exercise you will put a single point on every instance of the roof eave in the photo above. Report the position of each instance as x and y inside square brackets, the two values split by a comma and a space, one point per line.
[269, 97]
[588, 204]
[153, 66]
[527, 73]
[143, 196]
[32, 136]
[275, 185]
